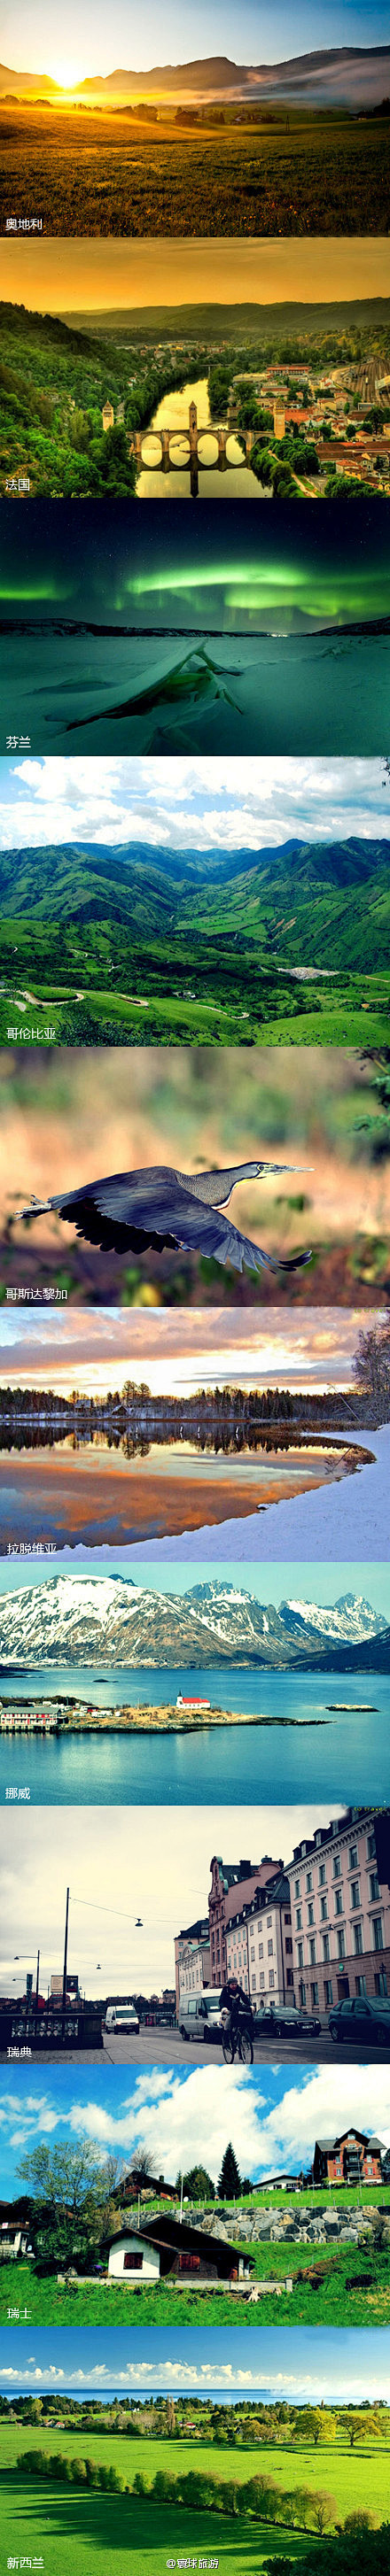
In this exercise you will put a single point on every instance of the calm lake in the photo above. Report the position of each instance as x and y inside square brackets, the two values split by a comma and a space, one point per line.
[93, 1494]
[344, 1757]
[210, 477]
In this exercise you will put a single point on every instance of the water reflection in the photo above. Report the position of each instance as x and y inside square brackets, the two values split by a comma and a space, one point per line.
[179, 474]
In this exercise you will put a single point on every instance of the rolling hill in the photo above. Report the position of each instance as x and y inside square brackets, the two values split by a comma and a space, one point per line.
[324, 904]
[334, 75]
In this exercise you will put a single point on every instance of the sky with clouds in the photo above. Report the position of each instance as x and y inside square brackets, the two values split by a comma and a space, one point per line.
[96, 40]
[288, 1581]
[177, 1350]
[160, 1874]
[336, 2364]
[271, 2115]
[187, 804]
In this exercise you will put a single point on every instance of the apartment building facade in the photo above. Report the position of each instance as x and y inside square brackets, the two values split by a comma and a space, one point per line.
[259, 1944]
[233, 1886]
[340, 1907]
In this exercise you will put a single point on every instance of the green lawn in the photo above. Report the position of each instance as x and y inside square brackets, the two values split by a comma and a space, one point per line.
[102, 2304]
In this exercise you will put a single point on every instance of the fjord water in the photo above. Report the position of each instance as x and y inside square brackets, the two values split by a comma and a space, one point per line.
[345, 1757]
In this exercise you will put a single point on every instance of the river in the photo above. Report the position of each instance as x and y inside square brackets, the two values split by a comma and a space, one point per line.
[212, 478]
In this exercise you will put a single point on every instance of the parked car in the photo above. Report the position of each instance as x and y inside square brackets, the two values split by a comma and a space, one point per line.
[122, 2017]
[362, 2017]
[199, 2016]
[286, 2022]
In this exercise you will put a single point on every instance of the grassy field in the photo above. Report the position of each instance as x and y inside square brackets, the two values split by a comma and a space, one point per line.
[87, 2531]
[336, 1019]
[328, 174]
[327, 2303]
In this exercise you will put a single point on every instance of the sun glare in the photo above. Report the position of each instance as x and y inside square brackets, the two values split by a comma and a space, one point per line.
[67, 74]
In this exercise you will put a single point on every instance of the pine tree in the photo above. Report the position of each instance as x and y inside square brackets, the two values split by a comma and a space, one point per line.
[229, 2184]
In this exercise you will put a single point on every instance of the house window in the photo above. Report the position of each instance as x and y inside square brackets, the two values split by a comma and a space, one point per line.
[358, 1940]
[253, 1954]
[310, 1913]
[377, 1926]
[297, 1886]
[189, 2262]
[328, 1991]
[300, 1954]
[339, 1907]
[341, 1945]
[337, 1866]
[355, 1894]
[325, 1946]
[324, 1909]
[374, 1887]
[272, 1977]
[261, 1977]
[312, 1953]
[322, 1874]
[261, 1950]
[133, 2262]
[298, 1918]
[309, 1881]
[352, 1857]
[314, 1994]
[253, 1982]
[270, 1949]
[269, 1922]
[371, 1847]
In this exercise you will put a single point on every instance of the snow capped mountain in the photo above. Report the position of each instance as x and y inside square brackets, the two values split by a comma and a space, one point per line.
[110, 1619]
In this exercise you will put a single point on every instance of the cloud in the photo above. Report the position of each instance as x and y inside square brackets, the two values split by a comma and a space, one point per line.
[186, 803]
[187, 2118]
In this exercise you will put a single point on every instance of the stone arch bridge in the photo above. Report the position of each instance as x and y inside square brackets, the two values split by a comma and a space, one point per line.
[221, 431]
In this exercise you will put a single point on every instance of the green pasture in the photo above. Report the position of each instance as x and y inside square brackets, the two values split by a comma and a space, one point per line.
[88, 2531]
[332, 1021]
[326, 173]
[326, 2302]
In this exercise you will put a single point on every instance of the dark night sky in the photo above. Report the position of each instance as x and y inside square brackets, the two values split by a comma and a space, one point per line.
[285, 566]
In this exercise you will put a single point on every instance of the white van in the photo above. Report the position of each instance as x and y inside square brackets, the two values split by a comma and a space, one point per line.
[199, 2016]
[122, 2017]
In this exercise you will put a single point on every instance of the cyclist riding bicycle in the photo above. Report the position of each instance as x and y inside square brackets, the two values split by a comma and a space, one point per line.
[231, 1999]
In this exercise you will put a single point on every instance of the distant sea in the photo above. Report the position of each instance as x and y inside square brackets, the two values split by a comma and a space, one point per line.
[346, 1759]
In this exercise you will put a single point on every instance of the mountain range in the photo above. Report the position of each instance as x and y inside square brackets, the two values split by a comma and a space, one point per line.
[342, 75]
[109, 1619]
[303, 903]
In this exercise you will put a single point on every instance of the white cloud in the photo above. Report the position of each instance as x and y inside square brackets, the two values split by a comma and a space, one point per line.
[188, 803]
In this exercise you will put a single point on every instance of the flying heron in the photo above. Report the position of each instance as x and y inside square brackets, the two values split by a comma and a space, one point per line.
[166, 1210]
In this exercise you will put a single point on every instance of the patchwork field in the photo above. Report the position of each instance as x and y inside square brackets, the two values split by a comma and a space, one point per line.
[87, 173]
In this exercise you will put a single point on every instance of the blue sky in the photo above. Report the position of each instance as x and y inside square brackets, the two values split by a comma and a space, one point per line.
[190, 804]
[271, 1583]
[272, 2115]
[301, 2367]
[101, 40]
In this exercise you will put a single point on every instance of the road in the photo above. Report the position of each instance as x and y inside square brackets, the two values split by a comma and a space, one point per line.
[165, 2048]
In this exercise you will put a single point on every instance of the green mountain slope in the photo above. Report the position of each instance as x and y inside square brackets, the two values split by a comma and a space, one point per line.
[306, 903]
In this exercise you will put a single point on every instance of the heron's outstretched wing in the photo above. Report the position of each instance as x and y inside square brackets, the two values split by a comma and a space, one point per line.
[134, 1211]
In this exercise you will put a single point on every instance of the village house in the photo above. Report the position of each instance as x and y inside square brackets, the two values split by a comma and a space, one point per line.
[170, 2248]
[352, 2158]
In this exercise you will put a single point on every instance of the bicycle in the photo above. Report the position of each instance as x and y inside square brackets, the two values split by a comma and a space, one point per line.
[237, 2041]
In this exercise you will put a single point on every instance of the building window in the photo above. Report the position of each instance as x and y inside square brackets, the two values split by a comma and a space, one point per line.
[322, 1874]
[302, 1994]
[300, 1954]
[360, 1985]
[298, 1919]
[253, 1982]
[325, 1946]
[261, 1950]
[339, 1906]
[290, 1979]
[270, 1949]
[355, 1894]
[297, 1886]
[377, 1926]
[310, 1913]
[358, 1940]
[337, 1866]
[269, 1922]
[328, 1991]
[371, 1847]
[324, 1909]
[272, 1977]
[309, 1881]
[352, 1857]
[261, 1977]
[288, 1947]
[341, 1945]
[312, 1953]
[253, 1954]
[374, 1887]
[189, 2262]
[314, 1994]
[287, 1918]
[133, 2262]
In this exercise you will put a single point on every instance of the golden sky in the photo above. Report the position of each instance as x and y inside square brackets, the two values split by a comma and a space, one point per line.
[177, 1351]
[91, 275]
